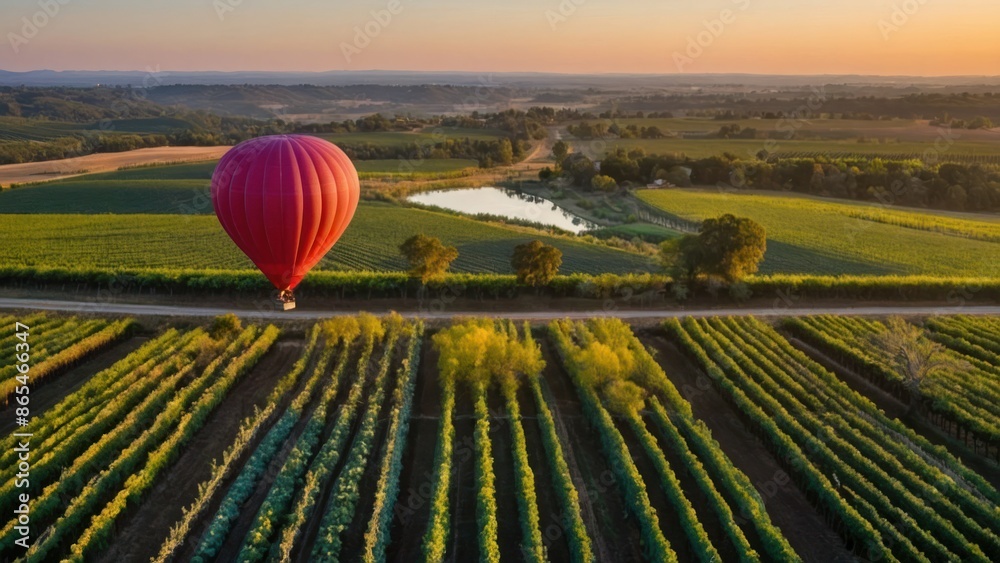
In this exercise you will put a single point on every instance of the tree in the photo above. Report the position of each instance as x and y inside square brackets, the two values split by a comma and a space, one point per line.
[505, 153]
[604, 183]
[956, 198]
[579, 168]
[681, 257]
[678, 176]
[728, 247]
[428, 258]
[981, 122]
[731, 247]
[913, 356]
[536, 263]
[560, 150]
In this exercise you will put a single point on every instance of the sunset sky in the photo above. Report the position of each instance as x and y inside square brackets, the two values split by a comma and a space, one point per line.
[938, 37]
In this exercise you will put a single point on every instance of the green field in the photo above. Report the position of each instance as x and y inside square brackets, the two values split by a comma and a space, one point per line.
[645, 231]
[831, 128]
[704, 148]
[375, 169]
[182, 232]
[198, 241]
[428, 136]
[21, 129]
[897, 138]
[808, 236]
[181, 188]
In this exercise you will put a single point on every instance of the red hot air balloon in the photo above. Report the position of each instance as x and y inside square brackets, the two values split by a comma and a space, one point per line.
[285, 200]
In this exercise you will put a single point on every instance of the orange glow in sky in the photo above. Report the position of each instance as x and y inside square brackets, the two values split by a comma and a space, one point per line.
[888, 37]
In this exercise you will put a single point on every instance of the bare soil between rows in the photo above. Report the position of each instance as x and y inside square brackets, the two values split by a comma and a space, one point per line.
[142, 531]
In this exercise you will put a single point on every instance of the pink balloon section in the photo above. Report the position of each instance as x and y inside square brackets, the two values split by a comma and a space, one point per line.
[285, 200]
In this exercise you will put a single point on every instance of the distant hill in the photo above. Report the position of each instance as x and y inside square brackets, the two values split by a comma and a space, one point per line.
[510, 79]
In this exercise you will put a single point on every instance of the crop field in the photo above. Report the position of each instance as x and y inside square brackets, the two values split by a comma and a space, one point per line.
[180, 230]
[831, 128]
[809, 236]
[198, 241]
[960, 151]
[19, 129]
[65, 341]
[180, 188]
[897, 138]
[426, 137]
[887, 490]
[374, 168]
[370, 438]
[964, 399]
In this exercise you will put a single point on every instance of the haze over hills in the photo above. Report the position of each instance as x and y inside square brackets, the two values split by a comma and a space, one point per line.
[153, 77]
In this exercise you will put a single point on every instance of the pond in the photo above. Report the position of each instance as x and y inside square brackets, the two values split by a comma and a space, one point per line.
[505, 203]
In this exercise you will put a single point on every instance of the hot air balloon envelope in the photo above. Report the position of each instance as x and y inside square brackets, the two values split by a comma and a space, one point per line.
[285, 200]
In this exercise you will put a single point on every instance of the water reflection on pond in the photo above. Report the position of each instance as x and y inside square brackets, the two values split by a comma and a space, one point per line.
[504, 203]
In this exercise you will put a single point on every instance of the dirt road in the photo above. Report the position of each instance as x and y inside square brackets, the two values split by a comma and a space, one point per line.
[300, 314]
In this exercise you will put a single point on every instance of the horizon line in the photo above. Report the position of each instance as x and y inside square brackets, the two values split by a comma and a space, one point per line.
[534, 72]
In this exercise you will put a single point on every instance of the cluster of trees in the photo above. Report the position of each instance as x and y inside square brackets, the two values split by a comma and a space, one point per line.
[914, 183]
[823, 103]
[366, 124]
[520, 125]
[535, 263]
[978, 122]
[77, 105]
[735, 131]
[953, 186]
[598, 130]
[619, 167]
[488, 153]
[189, 129]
